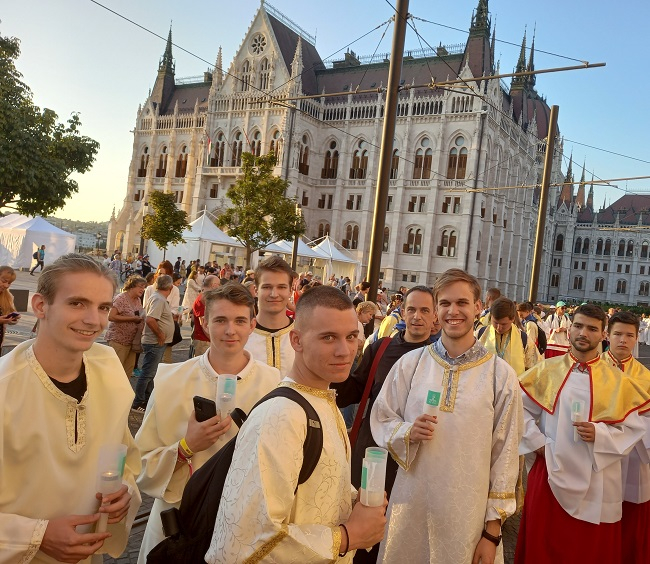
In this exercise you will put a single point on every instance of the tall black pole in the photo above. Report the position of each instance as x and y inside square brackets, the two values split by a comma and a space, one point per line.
[543, 204]
[386, 152]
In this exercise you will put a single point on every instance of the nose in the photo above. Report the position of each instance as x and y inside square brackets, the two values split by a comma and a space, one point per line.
[341, 348]
[230, 329]
[95, 316]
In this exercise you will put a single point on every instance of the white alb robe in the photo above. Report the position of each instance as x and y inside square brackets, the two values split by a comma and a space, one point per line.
[555, 322]
[260, 517]
[273, 348]
[165, 424]
[448, 487]
[585, 478]
[46, 473]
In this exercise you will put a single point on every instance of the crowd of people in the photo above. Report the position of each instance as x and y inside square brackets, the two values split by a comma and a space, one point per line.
[467, 394]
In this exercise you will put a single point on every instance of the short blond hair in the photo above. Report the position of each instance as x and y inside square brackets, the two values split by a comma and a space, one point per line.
[452, 276]
[364, 307]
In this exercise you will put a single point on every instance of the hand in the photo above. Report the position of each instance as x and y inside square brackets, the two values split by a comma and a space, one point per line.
[586, 431]
[541, 451]
[62, 542]
[115, 504]
[366, 525]
[13, 320]
[137, 319]
[485, 552]
[201, 436]
[422, 429]
[161, 339]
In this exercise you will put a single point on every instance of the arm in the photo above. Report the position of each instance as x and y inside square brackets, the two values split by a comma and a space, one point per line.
[115, 315]
[612, 442]
[152, 323]
[533, 439]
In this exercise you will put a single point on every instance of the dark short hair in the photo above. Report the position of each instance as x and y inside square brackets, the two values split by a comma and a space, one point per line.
[593, 311]
[273, 264]
[423, 289]
[503, 307]
[234, 293]
[493, 293]
[323, 296]
[524, 306]
[626, 317]
[365, 285]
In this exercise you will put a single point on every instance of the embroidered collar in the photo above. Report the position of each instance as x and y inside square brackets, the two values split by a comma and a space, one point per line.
[474, 353]
[329, 395]
[212, 375]
[583, 367]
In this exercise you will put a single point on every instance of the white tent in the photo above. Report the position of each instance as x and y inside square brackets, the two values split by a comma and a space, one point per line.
[339, 261]
[21, 236]
[203, 240]
[286, 248]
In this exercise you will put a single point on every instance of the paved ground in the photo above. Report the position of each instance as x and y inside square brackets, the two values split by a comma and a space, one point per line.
[18, 333]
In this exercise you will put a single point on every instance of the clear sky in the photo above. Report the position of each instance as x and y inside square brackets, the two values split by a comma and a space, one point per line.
[77, 56]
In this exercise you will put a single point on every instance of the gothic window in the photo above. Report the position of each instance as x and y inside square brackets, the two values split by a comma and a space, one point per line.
[323, 229]
[303, 160]
[585, 246]
[144, 161]
[555, 280]
[245, 76]
[577, 283]
[351, 240]
[359, 161]
[621, 248]
[559, 242]
[386, 240]
[644, 288]
[599, 247]
[236, 150]
[413, 245]
[265, 73]
[457, 162]
[578, 246]
[600, 285]
[630, 249]
[276, 146]
[161, 171]
[331, 162]
[219, 151]
[256, 144]
[423, 159]
[181, 163]
[394, 164]
[644, 249]
[621, 287]
[608, 247]
[447, 247]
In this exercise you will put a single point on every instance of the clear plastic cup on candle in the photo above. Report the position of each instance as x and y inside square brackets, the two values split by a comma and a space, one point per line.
[373, 477]
[432, 402]
[110, 470]
[226, 394]
[577, 416]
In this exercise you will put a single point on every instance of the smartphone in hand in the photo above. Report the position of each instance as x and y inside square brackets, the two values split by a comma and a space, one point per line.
[204, 408]
[13, 315]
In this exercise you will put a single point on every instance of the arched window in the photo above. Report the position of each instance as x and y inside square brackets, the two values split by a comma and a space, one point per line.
[276, 146]
[265, 73]
[359, 161]
[386, 241]
[181, 163]
[162, 163]
[219, 151]
[413, 245]
[303, 161]
[621, 248]
[608, 247]
[447, 247]
[236, 150]
[600, 285]
[457, 161]
[144, 162]
[394, 164]
[599, 247]
[323, 229]
[630, 249]
[644, 249]
[331, 162]
[644, 288]
[585, 246]
[577, 283]
[621, 287]
[578, 246]
[559, 242]
[555, 280]
[423, 158]
[351, 240]
[256, 144]
[245, 76]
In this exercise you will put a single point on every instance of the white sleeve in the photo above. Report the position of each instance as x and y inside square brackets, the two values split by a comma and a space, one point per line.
[533, 437]
[615, 441]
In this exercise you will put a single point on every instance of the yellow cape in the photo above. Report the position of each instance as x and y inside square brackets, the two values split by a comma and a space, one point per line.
[515, 355]
[613, 397]
[632, 368]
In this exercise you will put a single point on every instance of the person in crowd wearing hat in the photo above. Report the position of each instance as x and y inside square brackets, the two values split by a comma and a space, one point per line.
[146, 266]
[559, 324]
[250, 276]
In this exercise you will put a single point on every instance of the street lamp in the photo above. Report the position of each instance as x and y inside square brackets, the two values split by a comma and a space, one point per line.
[99, 237]
[294, 252]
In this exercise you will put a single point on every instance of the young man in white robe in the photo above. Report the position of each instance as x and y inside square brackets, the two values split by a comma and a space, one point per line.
[63, 398]
[270, 341]
[262, 517]
[581, 420]
[458, 470]
[622, 331]
[171, 440]
[559, 325]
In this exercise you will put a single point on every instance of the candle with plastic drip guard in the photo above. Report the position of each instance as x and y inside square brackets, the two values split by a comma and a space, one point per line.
[110, 471]
[373, 477]
[432, 402]
[577, 416]
[226, 394]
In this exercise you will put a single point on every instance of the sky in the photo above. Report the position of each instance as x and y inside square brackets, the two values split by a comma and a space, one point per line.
[79, 57]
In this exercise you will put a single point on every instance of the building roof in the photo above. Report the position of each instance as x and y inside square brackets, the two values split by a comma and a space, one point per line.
[628, 209]
[187, 95]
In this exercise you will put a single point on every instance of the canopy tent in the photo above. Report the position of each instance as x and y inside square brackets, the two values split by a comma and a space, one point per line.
[21, 236]
[203, 240]
[339, 261]
[286, 248]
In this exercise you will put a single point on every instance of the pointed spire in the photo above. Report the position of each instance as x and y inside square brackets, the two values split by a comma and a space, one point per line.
[580, 198]
[531, 65]
[590, 197]
[519, 82]
[296, 64]
[480, 20]
[569, 172]
[493, 45]
[167, 61]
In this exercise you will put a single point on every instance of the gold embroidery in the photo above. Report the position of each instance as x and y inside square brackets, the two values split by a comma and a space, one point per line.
[264, 550]
[269, 345]
[395, 456]
[501, 495]
[213, 376]
[35, 541]
[502, 514]
[336, 542]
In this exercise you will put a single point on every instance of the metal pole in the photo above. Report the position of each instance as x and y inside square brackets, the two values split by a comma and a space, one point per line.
[543, 204]
[294, 252]
[386, 152]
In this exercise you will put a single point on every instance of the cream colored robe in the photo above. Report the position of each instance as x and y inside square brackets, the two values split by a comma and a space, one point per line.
[165, 423]
[44, 472]
[273, 349]
[448, 487]
[260, 517]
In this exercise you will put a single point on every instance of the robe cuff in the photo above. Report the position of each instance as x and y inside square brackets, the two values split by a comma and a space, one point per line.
[500, 505]
[36, 540]
[337, 539]
[400, 447]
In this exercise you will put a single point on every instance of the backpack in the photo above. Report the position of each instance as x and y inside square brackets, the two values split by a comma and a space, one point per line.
[35, 255]
[190, 527]
[541, 338]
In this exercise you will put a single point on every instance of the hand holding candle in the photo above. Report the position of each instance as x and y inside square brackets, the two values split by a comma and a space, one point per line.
[226, 394]
[110, 470]
[577, 416]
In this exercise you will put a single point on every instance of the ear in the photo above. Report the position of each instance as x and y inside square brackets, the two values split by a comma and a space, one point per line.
[253, 324]
[39, 306]
[477, 307]
[296, 340]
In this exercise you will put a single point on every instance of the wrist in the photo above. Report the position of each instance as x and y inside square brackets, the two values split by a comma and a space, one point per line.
[185, 448]
[344, 548]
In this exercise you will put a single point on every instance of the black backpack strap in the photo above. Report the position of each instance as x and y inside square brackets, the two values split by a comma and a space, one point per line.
[313, 445]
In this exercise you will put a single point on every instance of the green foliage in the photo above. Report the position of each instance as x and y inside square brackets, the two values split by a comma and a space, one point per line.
[165, 226]
[260, 212]
[37, 154]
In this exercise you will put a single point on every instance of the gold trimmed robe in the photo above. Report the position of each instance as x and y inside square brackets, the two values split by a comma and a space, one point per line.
[272, 348]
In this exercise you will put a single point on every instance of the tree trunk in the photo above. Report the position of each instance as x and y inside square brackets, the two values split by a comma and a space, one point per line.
[249, 252]
[165, 254]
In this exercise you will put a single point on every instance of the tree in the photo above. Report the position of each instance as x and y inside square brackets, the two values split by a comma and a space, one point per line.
[167, 222]
[260, 213]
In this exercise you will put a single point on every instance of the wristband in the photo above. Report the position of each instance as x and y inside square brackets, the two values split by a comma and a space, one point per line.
[180, 457]
[186, 450]
[491, 538]
[347, 544]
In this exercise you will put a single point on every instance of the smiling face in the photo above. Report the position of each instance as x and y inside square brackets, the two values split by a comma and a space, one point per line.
[418, 314]
[622, 338]
[456, 309]
[586, 333]
[325, 343]
[77, 315]
[228, 325]
[273, 292]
